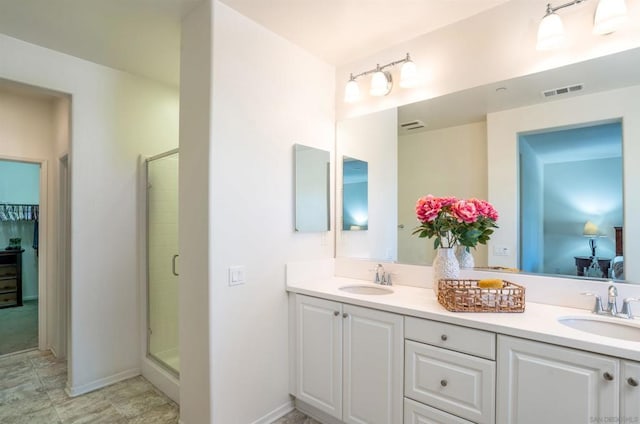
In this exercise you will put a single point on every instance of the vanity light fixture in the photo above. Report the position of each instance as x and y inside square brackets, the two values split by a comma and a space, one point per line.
[610, 14]
[381, 80]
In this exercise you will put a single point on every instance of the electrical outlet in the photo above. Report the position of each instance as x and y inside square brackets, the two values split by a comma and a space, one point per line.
[501, 251]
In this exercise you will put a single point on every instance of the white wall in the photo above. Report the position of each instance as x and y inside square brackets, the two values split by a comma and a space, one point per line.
[373, 139]
[503, 129]
[267, 95]
[445, 162]
[194, 227]
[493, 46]
[115, 117]
[569, 202]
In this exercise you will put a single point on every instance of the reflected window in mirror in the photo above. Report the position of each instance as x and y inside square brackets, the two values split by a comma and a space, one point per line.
[312, 189]
[571, 199]
[355, 194]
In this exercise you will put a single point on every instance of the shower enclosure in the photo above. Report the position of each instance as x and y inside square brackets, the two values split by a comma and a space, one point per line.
[162, 257]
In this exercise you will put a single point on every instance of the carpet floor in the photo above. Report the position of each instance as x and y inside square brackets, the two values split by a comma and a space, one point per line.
[19, 327]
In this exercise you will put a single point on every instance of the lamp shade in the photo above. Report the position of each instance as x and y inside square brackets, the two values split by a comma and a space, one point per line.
[380, 83]
[408, 74]
[352, 91]
[550, 32]
[610, 14]
[590, 229]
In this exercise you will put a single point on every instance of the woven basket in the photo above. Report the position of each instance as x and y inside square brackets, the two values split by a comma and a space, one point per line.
[466, 296]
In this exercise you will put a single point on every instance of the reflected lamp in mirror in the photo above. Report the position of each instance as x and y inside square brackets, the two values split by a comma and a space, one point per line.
[591, 230]
[312, 189]
[355, 194]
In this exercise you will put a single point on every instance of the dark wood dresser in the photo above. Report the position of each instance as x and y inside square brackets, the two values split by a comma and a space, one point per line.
[10, 278]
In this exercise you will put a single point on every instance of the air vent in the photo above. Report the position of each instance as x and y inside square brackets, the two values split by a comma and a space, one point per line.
[563, 90]
[412, 125]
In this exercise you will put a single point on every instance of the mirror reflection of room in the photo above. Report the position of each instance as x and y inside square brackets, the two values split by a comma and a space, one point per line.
[571, 199]
[355, 194]
[312, 175]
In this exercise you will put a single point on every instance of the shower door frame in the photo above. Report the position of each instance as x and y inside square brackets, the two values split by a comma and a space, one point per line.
[148, 354]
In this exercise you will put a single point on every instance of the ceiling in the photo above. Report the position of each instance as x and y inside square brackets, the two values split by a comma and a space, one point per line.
[341, 31]
[143, 36]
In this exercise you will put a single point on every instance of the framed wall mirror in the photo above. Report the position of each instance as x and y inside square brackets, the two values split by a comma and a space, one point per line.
[467, 145]
[312, 189]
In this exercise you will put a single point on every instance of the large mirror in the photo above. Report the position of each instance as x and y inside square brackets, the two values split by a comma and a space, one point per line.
[311, 189]
[468, 144]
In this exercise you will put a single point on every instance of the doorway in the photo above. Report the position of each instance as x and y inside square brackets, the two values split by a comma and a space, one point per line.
[19, 255]
[571, 199]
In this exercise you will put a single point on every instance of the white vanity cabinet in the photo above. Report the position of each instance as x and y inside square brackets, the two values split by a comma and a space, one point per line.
[449, 373]
[349, 361]
[542, 383]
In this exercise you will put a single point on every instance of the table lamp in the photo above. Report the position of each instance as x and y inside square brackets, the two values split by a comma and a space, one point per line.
[591, 231]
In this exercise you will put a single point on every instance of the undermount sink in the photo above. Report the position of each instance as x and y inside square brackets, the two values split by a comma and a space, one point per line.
[617, 328]
[366, 289]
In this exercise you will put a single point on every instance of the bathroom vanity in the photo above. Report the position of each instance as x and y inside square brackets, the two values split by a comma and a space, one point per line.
[399, 357]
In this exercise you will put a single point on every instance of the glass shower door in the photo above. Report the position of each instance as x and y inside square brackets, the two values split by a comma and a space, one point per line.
[162, 255]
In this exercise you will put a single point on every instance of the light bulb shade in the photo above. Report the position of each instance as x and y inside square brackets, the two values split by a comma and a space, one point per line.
[590, 229]
[550, 32]
[408, 74]
[610, 15]
[352, 91]
[380, 83]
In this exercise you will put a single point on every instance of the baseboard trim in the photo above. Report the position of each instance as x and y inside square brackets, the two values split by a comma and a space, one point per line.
[279, 412]
[315, 413]
[29, 298]
[103, 382]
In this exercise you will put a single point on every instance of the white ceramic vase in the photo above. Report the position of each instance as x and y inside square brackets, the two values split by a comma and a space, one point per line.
[445, 266]
[465, 257]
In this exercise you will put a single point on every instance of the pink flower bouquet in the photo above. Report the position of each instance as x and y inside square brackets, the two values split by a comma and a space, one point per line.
[451, 221]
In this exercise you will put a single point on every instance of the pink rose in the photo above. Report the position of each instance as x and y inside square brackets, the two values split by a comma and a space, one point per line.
[428, 208]
[464, 211]
[485, 208]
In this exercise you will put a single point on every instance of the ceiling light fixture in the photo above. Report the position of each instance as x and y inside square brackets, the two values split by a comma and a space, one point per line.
[608, 17]
[381, 80]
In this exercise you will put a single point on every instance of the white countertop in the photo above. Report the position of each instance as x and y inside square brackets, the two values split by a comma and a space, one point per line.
[539, 322]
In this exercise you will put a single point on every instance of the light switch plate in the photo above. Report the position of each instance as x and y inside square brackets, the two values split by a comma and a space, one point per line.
[236, 275]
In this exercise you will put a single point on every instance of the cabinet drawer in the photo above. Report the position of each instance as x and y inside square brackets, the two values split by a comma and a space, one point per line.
[468, 340]
[8, 299]
[8, 284]
[417, 413]
[460, 384]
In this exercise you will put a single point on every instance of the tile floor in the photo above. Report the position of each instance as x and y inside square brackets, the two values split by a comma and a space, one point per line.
[32, 392]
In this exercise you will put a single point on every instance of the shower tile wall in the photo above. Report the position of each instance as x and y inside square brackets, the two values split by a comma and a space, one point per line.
[163, 242]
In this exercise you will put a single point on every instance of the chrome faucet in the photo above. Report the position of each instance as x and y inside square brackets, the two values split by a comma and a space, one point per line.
[626, 307]
[612, 304]
[381, 277]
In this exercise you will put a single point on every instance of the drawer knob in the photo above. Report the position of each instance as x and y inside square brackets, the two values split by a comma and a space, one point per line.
[345, 315]
[632, 382]
[607, 376]
[336, 313]
[444, 337]
[443, 383]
